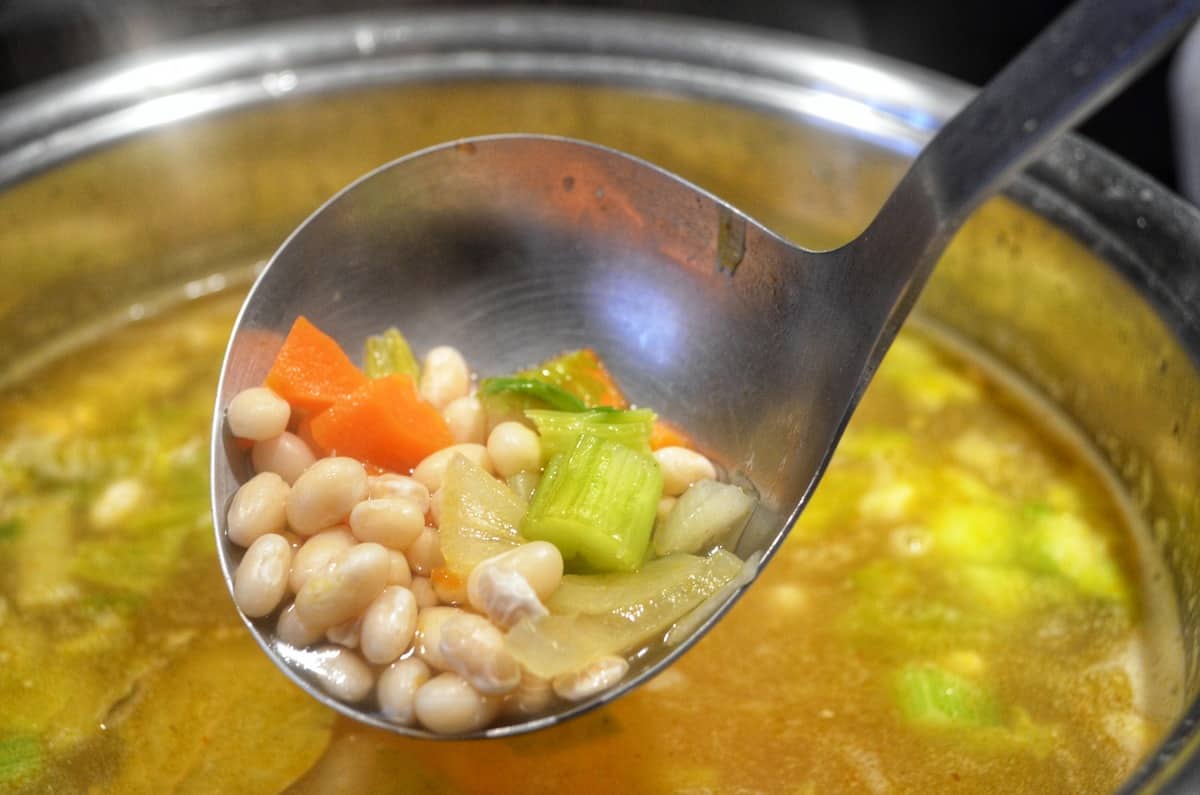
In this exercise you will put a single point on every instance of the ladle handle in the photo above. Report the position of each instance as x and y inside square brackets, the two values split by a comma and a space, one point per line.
[1084, 57]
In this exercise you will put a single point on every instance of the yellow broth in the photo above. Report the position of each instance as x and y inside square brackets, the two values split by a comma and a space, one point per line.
[951, 535]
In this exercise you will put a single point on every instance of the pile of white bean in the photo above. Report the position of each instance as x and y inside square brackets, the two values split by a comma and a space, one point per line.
[346, 561]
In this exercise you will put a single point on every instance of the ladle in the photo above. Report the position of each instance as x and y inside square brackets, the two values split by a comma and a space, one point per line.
[514, 248]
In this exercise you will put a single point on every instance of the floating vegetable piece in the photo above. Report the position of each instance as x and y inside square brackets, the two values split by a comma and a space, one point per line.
[597, 504]
[708, 512]
[533, 391]
[560, 430]
[384, 422]
[389, 354]
[600, 614]
[583, 375]
[310, 371]
[21, 758]
[480, 516]
[933, 696]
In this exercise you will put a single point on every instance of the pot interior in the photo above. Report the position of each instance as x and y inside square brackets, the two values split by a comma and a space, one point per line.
[1033, 280]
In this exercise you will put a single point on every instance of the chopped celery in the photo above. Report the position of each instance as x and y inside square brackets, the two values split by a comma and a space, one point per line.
[21, 758]
[389, 354]
[708, 512]
[561, 429]
[932, 696]
[480, 516]
[979, 531]
[1064, 544]
[582, 374]
[536, 392]
[597, 504]
[601, 614]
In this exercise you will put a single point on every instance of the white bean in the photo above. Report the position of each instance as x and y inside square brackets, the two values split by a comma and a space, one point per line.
[392, 521]
[257, 509]
[286, 455]
[533, 697]
[343, 590]
[397, 689]
[425, 553]
[435, 507]
[341, 673]
[257, 413]
[596, 677]
[447, 704]
[429, 634]
[347, 633]
[423, 592]
[513, 448]
[400, 573]
[392, 485]
[325, 494]
[444, 376]
[466, 419]
[681, 468]
[539, 562]
[474, 649]
[291, 630]
[665, 506]
[503, 595]
[261, 578]
[432, 470]
[388, 625]
[317, 553]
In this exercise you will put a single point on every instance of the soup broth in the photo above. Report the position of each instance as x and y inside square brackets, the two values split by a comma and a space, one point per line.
[961, 607]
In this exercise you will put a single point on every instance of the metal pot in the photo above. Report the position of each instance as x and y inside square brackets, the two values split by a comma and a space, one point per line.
[166, 175]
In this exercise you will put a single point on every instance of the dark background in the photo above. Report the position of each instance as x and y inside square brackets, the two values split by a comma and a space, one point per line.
[968, 39]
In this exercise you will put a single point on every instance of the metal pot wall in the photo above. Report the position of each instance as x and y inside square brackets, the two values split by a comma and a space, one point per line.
[167, 175]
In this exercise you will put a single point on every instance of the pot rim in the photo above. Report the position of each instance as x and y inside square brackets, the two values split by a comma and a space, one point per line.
[1147, 233]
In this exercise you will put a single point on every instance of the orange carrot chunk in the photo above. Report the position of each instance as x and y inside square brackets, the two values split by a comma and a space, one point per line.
[384, 422]
[664, 434]
[311, 371]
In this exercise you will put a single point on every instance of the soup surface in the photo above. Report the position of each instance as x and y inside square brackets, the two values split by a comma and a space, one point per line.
[957, 610]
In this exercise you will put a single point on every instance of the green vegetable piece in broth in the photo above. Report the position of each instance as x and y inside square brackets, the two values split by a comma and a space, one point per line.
[389, 354]
[597, 504]
[932, 696]
[21, 758]
[560, 430]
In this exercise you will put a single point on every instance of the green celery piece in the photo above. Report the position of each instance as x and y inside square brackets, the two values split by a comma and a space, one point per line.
[561, 429]
[1063, 544]
[597, 504]
[597, 614]
[932, 696]
[532, 391]
[480, 516]
[389, 354]
[21, 758]
[582, 374]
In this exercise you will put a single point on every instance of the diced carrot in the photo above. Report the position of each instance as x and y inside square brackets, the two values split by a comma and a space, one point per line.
[383, 422]
[302, 427]
[664, 434]
[445, 578]
[311, 371]
[583, 375]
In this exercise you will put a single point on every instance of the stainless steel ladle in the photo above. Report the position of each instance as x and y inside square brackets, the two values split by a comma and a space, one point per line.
[513, 248]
